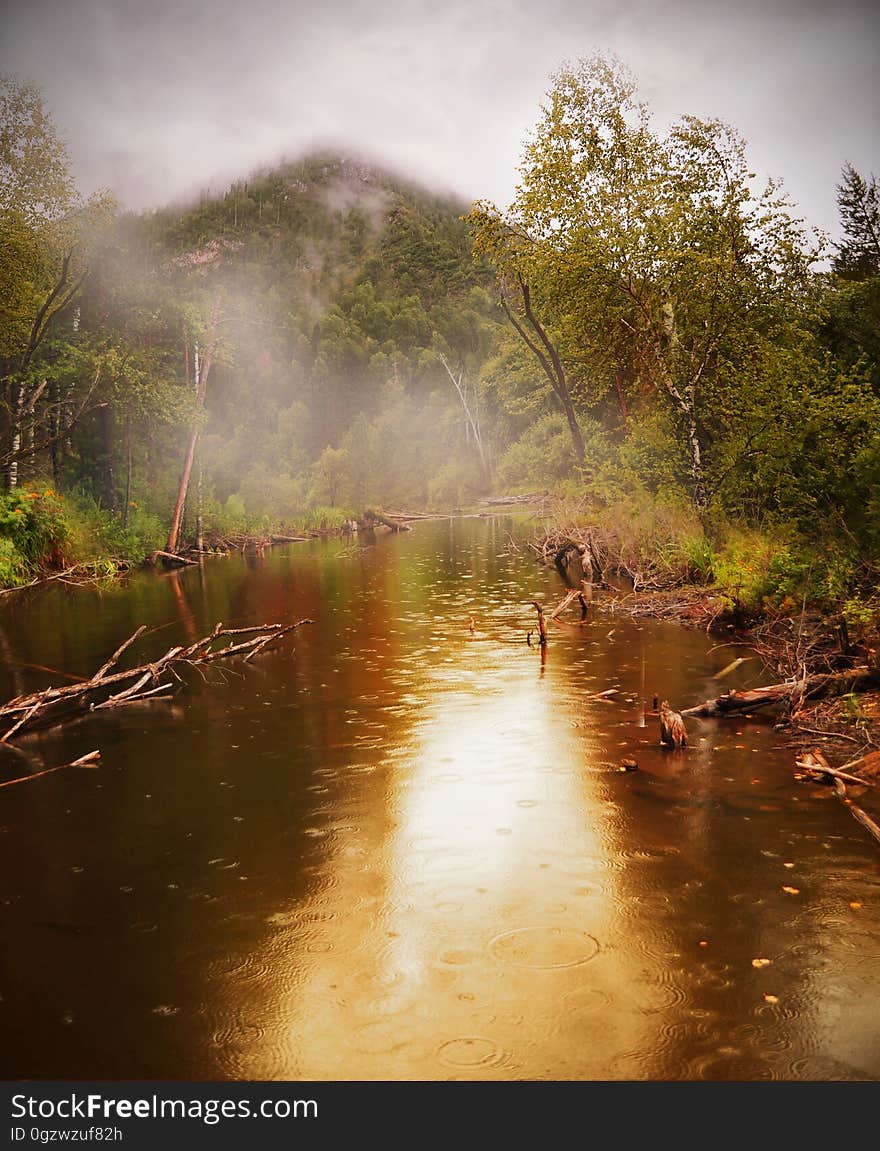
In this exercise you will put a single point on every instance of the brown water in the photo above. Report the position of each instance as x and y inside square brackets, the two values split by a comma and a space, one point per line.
[394, 849]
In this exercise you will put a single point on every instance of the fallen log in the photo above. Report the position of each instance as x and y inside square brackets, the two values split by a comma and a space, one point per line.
[371, 517]
[813, 687]
[55, 705]
[172, 559]
[509, 501]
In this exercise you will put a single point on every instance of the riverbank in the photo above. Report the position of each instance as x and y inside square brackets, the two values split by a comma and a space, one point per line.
[755, 611]
[788, 612]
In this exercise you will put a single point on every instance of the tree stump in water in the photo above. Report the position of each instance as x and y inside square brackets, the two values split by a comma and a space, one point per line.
[673, 732]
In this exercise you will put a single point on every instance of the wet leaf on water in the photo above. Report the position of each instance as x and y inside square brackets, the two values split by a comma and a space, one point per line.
[704, 943]
[788, 865]
[761, 962]
[792, 890]
[855, 906]
[771, 998]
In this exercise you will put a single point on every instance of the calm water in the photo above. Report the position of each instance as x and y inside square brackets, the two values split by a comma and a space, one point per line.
[394, 849]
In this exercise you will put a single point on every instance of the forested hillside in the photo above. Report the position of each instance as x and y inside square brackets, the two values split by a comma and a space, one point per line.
[322, 307]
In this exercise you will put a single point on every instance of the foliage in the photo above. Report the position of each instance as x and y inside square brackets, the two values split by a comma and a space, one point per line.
[34, 529]
[541, 456]
[858, 257]
[648, 255]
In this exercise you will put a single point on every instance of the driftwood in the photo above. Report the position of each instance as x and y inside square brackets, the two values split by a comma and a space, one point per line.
[371, 517]
[92, 759]
[583, 595]
[174, 559]
[289, 539]
[824, 769]
[509, 501]
[818, 768]
[813, 687]
[55, 705]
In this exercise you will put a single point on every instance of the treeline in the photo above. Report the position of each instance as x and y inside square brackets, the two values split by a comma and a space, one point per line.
[643, 329]
[715, 364]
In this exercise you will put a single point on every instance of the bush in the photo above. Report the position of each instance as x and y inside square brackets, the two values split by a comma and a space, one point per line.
[760, 573]
[543, 455]
[457, 483]
[13, 566]
[34, 533]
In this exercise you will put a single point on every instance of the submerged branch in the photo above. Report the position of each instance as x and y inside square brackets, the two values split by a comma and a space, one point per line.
[54, 705]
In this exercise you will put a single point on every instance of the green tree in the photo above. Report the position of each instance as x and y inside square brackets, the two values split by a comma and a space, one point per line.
[647, 255]
[45, 229]
[858, 256]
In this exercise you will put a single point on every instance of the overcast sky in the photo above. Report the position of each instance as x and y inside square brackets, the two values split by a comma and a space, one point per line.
[160, 98]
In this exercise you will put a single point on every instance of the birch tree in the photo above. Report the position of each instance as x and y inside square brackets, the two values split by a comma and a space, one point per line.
[652, 257]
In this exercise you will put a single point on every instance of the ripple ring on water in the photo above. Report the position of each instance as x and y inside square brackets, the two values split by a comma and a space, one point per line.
[544, 948]
[470, 1051]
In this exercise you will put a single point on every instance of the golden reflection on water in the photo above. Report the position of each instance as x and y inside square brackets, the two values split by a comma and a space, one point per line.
[465, 930]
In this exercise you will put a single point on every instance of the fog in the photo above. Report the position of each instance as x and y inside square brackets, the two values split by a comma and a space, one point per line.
[159, 100]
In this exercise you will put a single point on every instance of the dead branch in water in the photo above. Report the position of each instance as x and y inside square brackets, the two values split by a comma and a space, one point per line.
[91, 760]
[83, 573]
[173, 558]
[791, 694]
[371, 517]
[819, 770]
[542, 624]
[57, 704]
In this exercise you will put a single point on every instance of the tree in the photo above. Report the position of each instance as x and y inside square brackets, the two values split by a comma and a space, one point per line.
[515, 256]
[852, 299]
[649, 256]
[858, 257]
[44, 227]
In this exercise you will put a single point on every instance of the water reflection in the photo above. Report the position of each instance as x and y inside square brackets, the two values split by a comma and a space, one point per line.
[400, 848]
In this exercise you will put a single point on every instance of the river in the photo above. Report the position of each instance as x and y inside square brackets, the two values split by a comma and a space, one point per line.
[396, 848]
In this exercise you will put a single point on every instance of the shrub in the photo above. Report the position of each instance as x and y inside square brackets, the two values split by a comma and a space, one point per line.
[34, 532]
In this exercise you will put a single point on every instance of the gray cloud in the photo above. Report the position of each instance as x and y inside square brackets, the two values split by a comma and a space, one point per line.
[159, 98]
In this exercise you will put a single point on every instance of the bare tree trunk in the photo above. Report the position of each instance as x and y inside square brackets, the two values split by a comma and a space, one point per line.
[621, 399]
[701, 499]
[201, 385]
[472, 421]
[110, 493]
[685, 399]
[551, 363]
[15, 441]
[127, 510]
[55, 433]
[200, 535]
